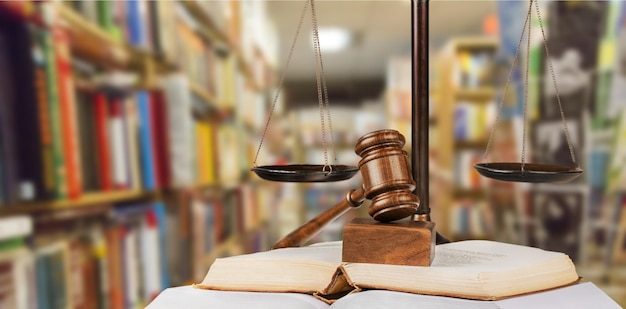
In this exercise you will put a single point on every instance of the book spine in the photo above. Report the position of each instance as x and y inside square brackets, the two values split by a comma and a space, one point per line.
[114, 268]
[118, 145]
[27, 146]
[88, 145]
[147, 161]
[135, 23]
[155, 130]
[55, 115]
[132, 132]
[161, 142]
[102, 138]
[45, 125]
[150, 255]
[160, 217]
[7, 132]
[43, 293]
[67, 101]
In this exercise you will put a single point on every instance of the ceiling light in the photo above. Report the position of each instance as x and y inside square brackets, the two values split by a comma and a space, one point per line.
[333, 39]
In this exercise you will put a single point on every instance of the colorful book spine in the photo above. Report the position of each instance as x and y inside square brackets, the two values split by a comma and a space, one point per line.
[145, 133]
[102, 138]
[45, 124]
[131, 123]
[67, 102]
[160, 217]
[135, 23]
[160, 139]
[150, 254]
[55, 116]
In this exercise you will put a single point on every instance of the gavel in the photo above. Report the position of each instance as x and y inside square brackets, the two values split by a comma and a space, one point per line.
[387, 182]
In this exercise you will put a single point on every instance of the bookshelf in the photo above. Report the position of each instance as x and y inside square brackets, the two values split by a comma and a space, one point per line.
[463, 101]
[85, 201]
[128, 72]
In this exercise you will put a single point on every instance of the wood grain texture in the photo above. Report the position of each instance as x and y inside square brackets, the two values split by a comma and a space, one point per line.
[403, 242]
[387, 181]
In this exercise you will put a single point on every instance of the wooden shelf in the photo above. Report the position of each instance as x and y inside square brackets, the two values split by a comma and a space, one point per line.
[203, 94]
[87, 200]
[479, 145]
[478, 95]
[475, 43]
[91, 42]
[208, 26]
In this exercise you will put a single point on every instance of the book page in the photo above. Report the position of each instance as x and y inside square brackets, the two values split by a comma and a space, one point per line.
[482, 255]
[472, 269]
[399, 300]
[190, 298]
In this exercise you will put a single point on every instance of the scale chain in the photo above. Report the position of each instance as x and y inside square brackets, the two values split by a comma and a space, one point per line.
[321, 82]
[527, 24]
[282, 80]
[506, 85]
[526, 91]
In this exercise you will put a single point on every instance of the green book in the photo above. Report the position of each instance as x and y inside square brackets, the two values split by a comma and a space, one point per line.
[55, 114]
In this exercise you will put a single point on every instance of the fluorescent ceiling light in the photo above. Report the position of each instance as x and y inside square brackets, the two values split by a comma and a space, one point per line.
[333, 39]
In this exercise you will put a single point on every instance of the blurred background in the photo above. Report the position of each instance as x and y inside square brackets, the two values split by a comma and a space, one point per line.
[128, 130]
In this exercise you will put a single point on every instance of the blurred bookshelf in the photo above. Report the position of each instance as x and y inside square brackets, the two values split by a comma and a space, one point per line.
[463, 102]
[124, 168]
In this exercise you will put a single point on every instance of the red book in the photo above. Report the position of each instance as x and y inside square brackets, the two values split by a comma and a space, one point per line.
[102, 141]
[160, 140]
[67, 102]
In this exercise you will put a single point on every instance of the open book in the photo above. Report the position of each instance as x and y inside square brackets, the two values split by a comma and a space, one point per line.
[473, 269]
[578, 296]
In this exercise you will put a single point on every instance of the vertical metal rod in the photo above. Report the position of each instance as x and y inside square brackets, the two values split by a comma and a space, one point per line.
[419, 110]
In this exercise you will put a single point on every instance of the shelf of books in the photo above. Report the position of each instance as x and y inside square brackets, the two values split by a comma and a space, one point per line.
[463, 110]
[125, 149]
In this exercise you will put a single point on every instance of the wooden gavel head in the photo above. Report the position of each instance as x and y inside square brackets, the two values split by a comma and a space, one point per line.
[387, 179]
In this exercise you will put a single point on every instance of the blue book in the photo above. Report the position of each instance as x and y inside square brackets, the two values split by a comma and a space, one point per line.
[460, 123]
[41, 270]
[134, 22]
[159, 209]
[145, 140]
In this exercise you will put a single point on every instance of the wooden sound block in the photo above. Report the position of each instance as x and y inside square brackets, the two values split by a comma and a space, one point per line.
[403, 242]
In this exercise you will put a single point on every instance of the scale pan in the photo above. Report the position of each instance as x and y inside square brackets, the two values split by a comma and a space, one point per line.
[535, 173]
[305, 173]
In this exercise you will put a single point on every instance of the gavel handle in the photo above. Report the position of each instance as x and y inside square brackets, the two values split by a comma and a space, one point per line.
[353, 199]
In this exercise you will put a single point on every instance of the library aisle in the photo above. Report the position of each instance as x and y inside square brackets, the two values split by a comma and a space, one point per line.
[128, 129]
